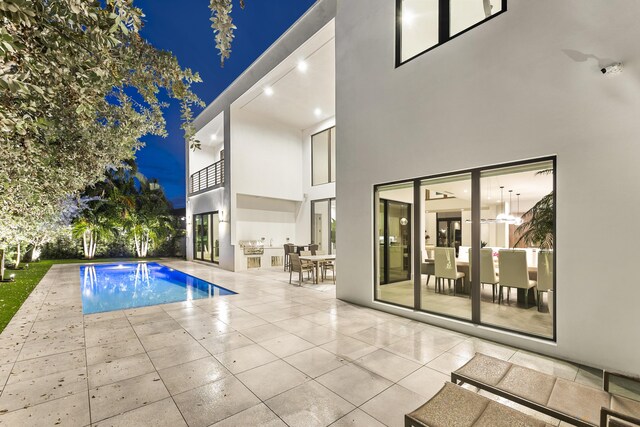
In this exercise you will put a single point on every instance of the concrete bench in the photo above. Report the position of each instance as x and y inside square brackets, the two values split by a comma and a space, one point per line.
[568, 401]
[457, 406]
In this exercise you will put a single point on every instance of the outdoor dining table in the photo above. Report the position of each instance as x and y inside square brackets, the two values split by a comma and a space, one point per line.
[317, 260]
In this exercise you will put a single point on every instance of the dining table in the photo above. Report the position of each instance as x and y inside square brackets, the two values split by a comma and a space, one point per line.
[317, 260]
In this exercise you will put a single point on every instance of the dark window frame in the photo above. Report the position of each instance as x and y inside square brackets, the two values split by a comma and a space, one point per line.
[195, 235]
[331, 130]
[476, 318]
[313, 202]
[444, 22]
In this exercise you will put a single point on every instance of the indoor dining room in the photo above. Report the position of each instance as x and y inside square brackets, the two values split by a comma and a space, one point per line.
[506, 212]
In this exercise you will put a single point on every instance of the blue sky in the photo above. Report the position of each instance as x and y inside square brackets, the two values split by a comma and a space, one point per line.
[184, 29]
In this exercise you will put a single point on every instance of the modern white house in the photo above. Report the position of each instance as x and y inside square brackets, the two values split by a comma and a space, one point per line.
[419, 139]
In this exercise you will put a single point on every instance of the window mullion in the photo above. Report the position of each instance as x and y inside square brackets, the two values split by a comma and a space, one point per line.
[444, 21]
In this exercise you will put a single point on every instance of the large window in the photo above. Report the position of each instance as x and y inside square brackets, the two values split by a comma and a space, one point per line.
[424, 24]
[323, 157]
[432, 232]
[323, 225]
[206, 237]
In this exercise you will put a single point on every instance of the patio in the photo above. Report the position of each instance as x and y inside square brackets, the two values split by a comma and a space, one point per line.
[275, 354]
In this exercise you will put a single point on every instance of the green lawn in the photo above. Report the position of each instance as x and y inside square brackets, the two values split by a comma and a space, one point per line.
[13, 294]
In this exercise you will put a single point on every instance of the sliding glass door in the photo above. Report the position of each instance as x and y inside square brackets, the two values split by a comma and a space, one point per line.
[477, 246]
[206, 237]
[323, 225]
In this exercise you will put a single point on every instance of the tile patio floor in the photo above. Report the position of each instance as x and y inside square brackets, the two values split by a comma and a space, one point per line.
[273, 355]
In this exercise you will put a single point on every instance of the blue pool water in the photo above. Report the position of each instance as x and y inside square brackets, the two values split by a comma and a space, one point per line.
[107, 287]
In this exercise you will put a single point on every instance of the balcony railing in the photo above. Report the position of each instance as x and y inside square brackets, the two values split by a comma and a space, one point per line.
[210, 177]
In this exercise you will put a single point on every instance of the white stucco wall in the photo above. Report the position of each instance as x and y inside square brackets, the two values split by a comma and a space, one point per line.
[524, 85]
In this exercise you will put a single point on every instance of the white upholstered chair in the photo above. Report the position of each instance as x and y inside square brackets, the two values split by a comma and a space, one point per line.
[514, 272]
[488, 270]
[545, 273]
[446, 268]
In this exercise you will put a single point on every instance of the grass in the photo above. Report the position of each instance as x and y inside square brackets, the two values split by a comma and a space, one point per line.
[13, 294]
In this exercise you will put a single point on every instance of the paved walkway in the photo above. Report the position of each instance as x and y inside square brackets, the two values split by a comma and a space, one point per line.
[273, 355]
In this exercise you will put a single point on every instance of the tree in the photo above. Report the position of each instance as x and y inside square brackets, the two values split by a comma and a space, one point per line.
[78, 88]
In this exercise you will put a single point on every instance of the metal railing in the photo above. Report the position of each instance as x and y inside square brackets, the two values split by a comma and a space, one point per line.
[210, 177]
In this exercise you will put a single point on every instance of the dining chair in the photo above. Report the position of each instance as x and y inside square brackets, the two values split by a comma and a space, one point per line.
[446, 268]
[298, 267]
[327, 265]
[288, 249]
[313, 248]
[306, 263]
[514, 273]
[545, 274]
[488, 271]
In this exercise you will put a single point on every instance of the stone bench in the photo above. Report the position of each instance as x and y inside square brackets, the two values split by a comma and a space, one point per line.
[457, 406]
[565, 400]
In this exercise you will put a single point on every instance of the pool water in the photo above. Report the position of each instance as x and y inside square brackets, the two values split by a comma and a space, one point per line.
[108, 287]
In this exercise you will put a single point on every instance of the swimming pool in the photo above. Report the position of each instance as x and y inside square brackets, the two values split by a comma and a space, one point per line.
[108, 287]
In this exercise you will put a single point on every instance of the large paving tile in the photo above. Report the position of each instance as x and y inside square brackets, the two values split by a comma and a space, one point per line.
[318, 335]
[35, 368]
[271, 379]
[190, 375]
[5, 370]
[225, 342]
[286, 345]
[388, 365]
[120, 349]
[377, 336]
[46, 347]
[470, 347]
[114, 399]
[425, 381]
[42, 389]
[309, 405]
[390, 406]
[166, 339]
[315, 361]
[163, 413]
[177, 354]
[245, 358]
[105, 336]
[69, 411]
[447, 363]
[354, 383]
[206, 328]
[357, 418]
[414, 349]
[151, 328]
[116, 370]
[349, 348]
[259, 415]
[214, 402]
[263, 332]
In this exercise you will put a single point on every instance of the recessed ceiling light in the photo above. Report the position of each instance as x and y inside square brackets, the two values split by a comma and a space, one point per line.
[214, 137]
[317, 112]
[268, 91]
[303, 66]
[465, 191]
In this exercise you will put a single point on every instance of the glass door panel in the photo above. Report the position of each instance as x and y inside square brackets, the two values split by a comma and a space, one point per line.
[197, 234]
[215, 238]
[518, 233]
[394, 282]
[445, 270]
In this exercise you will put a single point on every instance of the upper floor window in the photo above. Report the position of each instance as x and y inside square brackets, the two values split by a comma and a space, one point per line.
[323, 157]
[424, 24]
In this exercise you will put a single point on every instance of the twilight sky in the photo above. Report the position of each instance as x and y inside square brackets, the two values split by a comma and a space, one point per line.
[183, 28]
